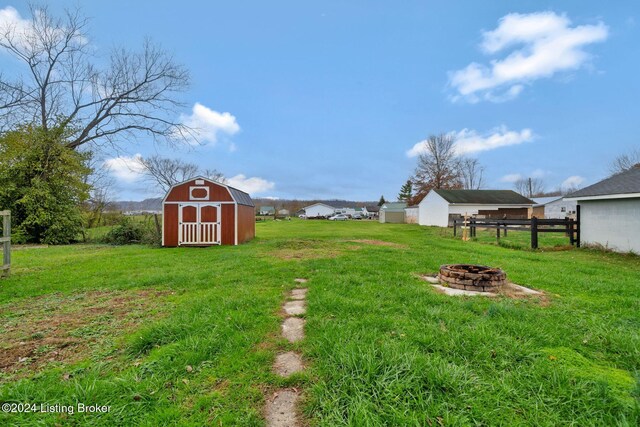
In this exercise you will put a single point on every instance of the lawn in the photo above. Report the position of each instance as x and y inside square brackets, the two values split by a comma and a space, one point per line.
[187, 336]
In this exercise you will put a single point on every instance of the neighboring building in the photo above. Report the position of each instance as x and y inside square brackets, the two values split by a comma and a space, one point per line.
[441, 207]
[392, 212]
[283, 212]
[318, 210]
[553, 208]
[372, 211]
[266, 210]
[609, 212]
[202, 212]
[411, 214]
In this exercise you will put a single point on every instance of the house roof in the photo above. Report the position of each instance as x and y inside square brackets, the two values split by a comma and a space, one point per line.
[541, 201]
[484, 197]
[627, 182]
[267, 208]
[373, 209]
[394, 206]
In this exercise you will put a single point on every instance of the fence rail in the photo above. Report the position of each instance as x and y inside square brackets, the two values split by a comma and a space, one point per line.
[535, 225]
[5, 268]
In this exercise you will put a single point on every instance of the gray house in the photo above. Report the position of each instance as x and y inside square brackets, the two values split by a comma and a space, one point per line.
[609, 212]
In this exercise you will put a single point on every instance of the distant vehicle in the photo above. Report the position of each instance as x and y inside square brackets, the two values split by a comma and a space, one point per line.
[357, 216]
[339, 217]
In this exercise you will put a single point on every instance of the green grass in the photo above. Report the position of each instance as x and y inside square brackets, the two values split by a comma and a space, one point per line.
[383, 348]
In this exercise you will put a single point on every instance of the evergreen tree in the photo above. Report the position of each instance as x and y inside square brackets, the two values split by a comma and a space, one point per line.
[382, 201]
[406, 191]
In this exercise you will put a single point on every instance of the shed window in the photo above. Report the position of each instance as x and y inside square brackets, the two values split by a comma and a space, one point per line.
[198, 193]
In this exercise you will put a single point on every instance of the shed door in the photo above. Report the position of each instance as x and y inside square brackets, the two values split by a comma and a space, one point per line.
[199, 224]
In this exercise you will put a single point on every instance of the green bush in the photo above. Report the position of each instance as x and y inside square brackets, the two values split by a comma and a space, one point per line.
[125, 233]
[43, 183]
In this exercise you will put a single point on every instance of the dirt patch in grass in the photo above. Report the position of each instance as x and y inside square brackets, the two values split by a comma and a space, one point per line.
[66, 328]
[378, 243]
[303, 249]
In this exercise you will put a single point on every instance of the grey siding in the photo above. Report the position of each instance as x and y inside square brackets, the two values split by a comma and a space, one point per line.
[613, 223]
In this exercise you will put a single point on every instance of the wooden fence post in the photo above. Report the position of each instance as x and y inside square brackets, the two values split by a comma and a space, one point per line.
[534, 232]
[498, 232]
[6, 243]
[454, 228]
[578, 226]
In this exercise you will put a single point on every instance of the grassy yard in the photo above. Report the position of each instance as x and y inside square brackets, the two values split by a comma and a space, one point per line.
[187, 336]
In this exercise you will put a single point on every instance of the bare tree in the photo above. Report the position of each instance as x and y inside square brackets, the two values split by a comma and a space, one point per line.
[529, 187]
[438, 167]
[472, 174]
[101, 183]
[136, 94]
[164, 172]
[625, 162]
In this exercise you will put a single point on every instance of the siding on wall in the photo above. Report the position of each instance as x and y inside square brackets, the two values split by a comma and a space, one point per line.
[391, 217]
[170, 224]
[320, 210]
[613, 223]
[227, 223]
[246, 223]
[411, 215]
[434, 210]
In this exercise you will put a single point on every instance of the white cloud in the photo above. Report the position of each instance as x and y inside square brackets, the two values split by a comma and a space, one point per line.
[542, 44]
[125, 168]
[572, 182]
[251, 185]
[513, 177]
[23, 29]
[208, 124]
[469, 141]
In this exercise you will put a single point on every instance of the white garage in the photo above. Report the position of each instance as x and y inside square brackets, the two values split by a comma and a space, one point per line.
[440, 207]
[318, 210]
[609, 212]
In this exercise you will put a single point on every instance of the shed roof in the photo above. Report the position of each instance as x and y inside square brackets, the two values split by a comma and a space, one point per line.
[627, 182]
[373, 209]
[394, 206]
[484, 197]
[241, 197]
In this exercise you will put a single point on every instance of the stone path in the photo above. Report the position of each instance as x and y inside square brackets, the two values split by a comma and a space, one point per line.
[281, 406]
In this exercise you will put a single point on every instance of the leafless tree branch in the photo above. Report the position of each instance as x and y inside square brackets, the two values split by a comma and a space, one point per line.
[136, 94]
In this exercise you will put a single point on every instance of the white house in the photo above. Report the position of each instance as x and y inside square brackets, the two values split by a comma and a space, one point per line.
[319, 210]
[554, 207]
[609, 212]
[440, 207]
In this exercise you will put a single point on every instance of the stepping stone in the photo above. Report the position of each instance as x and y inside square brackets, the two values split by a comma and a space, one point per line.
[281, 409]
[459, 292]
[288, 363]
[294, 308]
[293, 329]
[300, 280]
[299, 294]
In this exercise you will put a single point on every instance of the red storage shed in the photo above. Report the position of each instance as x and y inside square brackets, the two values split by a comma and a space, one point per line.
[202, 212]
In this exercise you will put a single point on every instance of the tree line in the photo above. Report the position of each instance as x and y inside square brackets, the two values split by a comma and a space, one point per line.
[441, 167]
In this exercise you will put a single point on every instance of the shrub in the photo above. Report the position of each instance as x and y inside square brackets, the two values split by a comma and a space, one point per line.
[125, 233]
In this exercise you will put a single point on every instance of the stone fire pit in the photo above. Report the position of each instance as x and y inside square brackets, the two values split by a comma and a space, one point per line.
[468, 277]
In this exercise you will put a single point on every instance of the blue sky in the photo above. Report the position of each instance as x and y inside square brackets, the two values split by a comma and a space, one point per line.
[331, 99]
